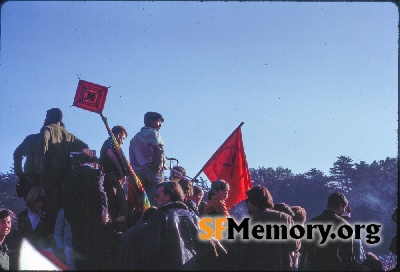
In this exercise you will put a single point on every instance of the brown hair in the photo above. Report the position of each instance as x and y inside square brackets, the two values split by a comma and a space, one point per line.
[336, 199]
[5, 213]
[300, 214]
[36, 193]
[173, 189]
[118, 129]
[220, 185]
[187, 186]
[151, 116]
[260, 197]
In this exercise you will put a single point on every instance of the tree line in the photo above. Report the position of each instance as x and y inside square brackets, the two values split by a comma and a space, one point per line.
[372, 190]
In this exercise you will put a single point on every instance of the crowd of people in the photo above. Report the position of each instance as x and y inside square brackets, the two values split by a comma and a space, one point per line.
[77, 210]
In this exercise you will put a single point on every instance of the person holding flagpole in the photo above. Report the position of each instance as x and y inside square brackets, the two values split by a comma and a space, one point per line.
[115, 178]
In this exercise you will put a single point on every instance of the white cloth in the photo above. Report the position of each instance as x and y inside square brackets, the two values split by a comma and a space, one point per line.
[34, 218]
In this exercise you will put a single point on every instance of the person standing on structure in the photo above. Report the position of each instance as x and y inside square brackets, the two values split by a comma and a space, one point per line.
[146, 154]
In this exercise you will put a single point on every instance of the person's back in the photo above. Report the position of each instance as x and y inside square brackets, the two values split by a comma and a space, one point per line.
[84, 198]
[271, 255]
[27, 175]
[131, 244]
[171, 238]
[55, 145]
[52, 159]
[131, 247]
[329, 252]
[334, 255]
[85, 207]
[27, 149]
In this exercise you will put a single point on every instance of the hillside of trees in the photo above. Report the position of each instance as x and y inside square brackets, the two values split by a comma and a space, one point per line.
[8, 195]
[372, 191]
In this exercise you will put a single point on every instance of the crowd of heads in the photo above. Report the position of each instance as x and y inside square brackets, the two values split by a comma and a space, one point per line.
[181, 189]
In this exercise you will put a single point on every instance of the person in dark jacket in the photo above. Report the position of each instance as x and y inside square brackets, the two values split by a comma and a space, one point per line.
[172, 233]
[268, 254]
[334, 255]
[130, 256]
[52, 159]
[85, 207]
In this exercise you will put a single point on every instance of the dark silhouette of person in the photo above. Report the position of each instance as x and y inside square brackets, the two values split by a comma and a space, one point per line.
[267, 255]
[334, 255]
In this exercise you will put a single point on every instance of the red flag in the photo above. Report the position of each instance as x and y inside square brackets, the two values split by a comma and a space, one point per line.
[90, 96]
[229, 163]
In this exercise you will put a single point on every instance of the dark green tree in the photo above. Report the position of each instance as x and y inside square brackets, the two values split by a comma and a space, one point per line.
[342, 174]
[8, 195]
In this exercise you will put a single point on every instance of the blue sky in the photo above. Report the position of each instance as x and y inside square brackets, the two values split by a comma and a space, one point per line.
[310, 81]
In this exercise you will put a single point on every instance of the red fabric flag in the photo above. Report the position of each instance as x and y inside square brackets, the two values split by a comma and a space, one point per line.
[229, 163]
[90, 96]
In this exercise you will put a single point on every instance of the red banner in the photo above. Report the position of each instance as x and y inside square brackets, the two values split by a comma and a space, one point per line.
[229, 163]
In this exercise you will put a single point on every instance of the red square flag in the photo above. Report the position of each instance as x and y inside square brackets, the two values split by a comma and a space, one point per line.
[90, 96]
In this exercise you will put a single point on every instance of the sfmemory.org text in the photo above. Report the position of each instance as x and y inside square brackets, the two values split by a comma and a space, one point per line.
[217, 228]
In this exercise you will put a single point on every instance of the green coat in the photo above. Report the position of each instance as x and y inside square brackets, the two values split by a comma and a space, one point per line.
[54, 146]
[26, 149]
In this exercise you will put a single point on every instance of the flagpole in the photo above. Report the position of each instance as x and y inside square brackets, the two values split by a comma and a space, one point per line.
[141, 200]
[85, 99]
[198, 174]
